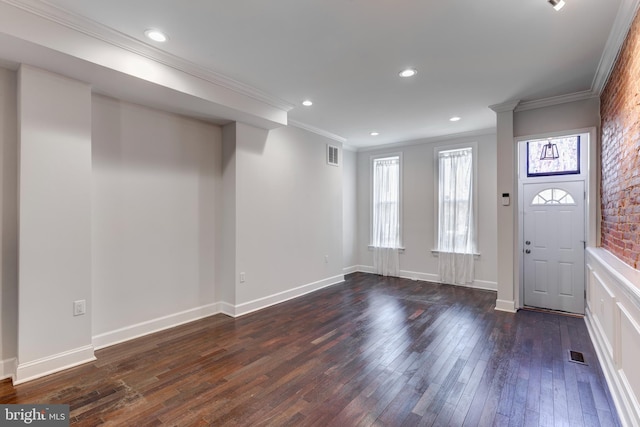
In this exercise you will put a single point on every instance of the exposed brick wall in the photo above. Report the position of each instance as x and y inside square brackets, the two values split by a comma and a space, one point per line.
[620, 112]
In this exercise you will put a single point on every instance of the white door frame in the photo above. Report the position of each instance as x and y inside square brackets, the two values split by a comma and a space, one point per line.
[589, 173]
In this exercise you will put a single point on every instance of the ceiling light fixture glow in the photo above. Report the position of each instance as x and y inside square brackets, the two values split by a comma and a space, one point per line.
[307, 103]
[409, 72]
[557, 4]
[454, 119]
[156, 35]
[374, 133]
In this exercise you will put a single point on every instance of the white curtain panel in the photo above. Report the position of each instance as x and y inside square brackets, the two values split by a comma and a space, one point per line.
[455, 216]
[386, 261]
[386, 216]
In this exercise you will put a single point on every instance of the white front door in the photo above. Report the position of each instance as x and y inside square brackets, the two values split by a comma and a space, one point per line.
[553, 247]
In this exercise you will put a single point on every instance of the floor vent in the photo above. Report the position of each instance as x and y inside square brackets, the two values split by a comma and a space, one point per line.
[577, 357]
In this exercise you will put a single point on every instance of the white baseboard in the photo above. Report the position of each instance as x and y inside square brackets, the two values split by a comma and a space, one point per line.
[505, 305]
[260, 303]
[415, 275]
[52, 364]
[172, 320]
[429, 277]
[349, 270]
[227, 308]
[485, 284]
[8, 368]
[155, 325]
[365, 269]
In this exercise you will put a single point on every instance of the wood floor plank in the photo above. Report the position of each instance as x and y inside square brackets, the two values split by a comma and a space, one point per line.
[372, 351]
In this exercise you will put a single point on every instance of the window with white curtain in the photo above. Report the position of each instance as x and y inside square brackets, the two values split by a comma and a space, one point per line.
[385, 227]
[456, 214]
[456, 204]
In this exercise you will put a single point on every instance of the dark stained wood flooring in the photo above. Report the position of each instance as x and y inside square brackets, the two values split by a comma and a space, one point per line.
[373, 351]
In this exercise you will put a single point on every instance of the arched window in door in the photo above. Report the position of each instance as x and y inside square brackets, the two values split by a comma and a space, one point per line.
[553, 196]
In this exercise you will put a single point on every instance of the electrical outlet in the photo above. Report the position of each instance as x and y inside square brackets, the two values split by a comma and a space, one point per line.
[326, 259]
[79, 307]
[242, 277]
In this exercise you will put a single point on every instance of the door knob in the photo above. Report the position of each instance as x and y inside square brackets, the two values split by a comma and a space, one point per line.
[528, 251]
[527, 242]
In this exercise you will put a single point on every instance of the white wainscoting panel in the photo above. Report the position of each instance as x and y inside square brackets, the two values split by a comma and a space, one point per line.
[613, 319]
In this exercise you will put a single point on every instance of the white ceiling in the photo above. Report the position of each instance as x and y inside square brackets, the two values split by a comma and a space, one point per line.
[345, 55]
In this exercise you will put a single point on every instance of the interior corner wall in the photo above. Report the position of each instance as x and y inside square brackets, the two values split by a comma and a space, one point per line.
[157, 197]
[350, 210]
[54, 116]
[226, 285]
[288, 217]
[418, 209]
[8, 222]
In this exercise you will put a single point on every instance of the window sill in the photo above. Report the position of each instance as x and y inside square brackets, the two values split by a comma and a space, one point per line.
[436, 252]
[401, 250]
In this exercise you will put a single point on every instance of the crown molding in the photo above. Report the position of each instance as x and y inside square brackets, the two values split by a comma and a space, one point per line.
[83, 25]
[431, 140]
[626, 13]
[624, 18]
[349, 148]
[555, 100]
[505, 106]
[317, 131]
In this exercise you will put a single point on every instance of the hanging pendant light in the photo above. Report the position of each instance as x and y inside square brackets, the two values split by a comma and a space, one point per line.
[549, 151]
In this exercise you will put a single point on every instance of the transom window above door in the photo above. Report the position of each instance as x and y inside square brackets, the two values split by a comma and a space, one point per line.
[553, 196]
[553, 156]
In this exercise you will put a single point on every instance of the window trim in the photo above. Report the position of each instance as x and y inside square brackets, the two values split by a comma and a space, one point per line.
[436, 192]
[372, 160]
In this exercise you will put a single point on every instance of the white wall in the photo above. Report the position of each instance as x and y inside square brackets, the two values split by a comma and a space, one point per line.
[288, 215]
[350, 210]
[8, 222]
[150, 222]
[54, 116]
[418, 199]
[557, 118]
[157, 188]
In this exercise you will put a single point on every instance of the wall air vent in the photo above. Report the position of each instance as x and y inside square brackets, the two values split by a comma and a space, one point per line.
[332, 155]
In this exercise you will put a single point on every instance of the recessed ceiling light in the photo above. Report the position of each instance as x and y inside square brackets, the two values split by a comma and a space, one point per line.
[409, 72]
[307, 103]
[557, 4]
[454, 119]
[374, 133]
[156, 35]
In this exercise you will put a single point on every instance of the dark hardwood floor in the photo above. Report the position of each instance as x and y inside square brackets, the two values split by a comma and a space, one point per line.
[373, 351]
